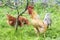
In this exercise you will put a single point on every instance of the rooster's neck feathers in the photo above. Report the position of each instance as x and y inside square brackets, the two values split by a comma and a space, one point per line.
[34, 14]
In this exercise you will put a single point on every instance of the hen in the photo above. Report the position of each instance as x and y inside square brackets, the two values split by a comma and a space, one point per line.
[12, 20]
[39, 25]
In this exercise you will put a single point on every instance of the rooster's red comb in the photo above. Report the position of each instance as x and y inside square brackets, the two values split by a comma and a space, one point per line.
[30, 7]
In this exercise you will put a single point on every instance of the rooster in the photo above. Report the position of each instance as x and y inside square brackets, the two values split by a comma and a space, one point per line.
[39, 25]
[12, 20]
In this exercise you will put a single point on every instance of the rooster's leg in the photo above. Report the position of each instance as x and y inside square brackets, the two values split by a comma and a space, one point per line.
[44, 35]
[37, 31]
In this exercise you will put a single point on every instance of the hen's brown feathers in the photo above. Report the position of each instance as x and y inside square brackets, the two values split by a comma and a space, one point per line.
[12, 20]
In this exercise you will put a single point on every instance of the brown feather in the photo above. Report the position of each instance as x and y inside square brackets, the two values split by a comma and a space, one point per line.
[12, 20]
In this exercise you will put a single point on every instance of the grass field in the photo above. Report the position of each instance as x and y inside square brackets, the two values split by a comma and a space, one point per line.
[27, 32]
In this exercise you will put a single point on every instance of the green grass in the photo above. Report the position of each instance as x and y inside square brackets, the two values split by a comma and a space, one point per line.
[8, 32]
